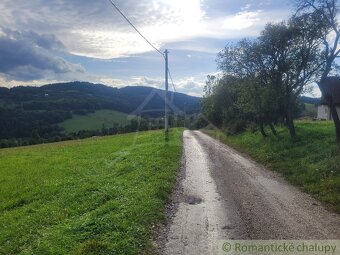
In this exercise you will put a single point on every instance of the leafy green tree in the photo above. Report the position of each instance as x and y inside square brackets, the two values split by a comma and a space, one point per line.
[211, 105]
[219, 102]
[257, 99]
[277, 66]
[291, 56]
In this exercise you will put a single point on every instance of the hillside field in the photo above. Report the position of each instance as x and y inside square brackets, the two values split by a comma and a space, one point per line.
[310, 110]
[95, 121]
[33, 114]
[312, 162]
[93, 196]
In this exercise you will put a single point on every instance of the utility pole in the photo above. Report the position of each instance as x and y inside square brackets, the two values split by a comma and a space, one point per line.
[185, 116]
[166, 120]
[165, 55]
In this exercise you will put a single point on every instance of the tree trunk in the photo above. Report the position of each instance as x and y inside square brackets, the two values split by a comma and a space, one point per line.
[273, 128]
[262, 130]
[290, 125]
[290, 119]
[336, 120]
[329, 97]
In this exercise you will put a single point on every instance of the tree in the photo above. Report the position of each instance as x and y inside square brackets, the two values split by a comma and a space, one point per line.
[257, 99]
[219, 102]
[259, 104]
[277, 65]
[210, 105]
[327, 24]
[290, 52]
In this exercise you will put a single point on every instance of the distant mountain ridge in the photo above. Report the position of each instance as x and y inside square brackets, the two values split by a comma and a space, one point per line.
[79, 96]
[310, 100]
[32, 114]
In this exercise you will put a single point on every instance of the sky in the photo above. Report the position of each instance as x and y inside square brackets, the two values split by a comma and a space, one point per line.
[44, 41]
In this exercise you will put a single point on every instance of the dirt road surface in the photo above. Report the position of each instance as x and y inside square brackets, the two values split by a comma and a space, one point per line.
[226, 195]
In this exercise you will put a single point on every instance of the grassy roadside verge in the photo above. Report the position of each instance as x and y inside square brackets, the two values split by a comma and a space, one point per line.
[312, 162]
[92, 196]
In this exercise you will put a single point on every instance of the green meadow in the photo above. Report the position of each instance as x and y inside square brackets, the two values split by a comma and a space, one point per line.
[93, 196]
[95, 121]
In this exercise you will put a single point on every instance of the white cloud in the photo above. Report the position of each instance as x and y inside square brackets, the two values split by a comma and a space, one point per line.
[189, 85]
[146, 81]
[241, 20]
[13, 83]
[246, 7]
[133, 81]
[95, 29]
[112, 82]
[312, 90]
[105, 44]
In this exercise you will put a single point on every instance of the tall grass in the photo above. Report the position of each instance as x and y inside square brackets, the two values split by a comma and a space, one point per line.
[93, 196]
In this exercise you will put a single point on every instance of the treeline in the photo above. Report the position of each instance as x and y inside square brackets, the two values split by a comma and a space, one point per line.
[263, 79]
[30, 115]
[56, 134]
[18, 123]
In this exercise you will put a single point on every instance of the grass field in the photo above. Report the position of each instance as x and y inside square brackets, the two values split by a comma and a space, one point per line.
[92, 196]
[312, 162]
[310, 110]
[95, 121]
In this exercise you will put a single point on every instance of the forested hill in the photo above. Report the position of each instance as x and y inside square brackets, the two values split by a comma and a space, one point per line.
[85, 97]
[33, 114]
[310, 100]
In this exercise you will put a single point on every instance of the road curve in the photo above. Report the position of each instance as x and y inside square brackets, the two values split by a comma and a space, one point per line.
[226, 195]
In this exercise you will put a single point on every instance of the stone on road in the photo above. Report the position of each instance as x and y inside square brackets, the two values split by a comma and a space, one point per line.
[226, 195]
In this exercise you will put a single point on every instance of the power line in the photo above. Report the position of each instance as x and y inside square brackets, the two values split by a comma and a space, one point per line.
[173, 85]
[167, 71]
[116, 7]
[154, 47]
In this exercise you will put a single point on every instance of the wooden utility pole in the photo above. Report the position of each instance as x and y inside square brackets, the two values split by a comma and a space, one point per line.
[166, 113]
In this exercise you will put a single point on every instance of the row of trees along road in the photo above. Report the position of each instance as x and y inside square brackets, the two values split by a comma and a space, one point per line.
[263, 78]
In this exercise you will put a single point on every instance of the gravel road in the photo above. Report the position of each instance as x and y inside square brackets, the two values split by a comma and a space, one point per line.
[223, 194]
